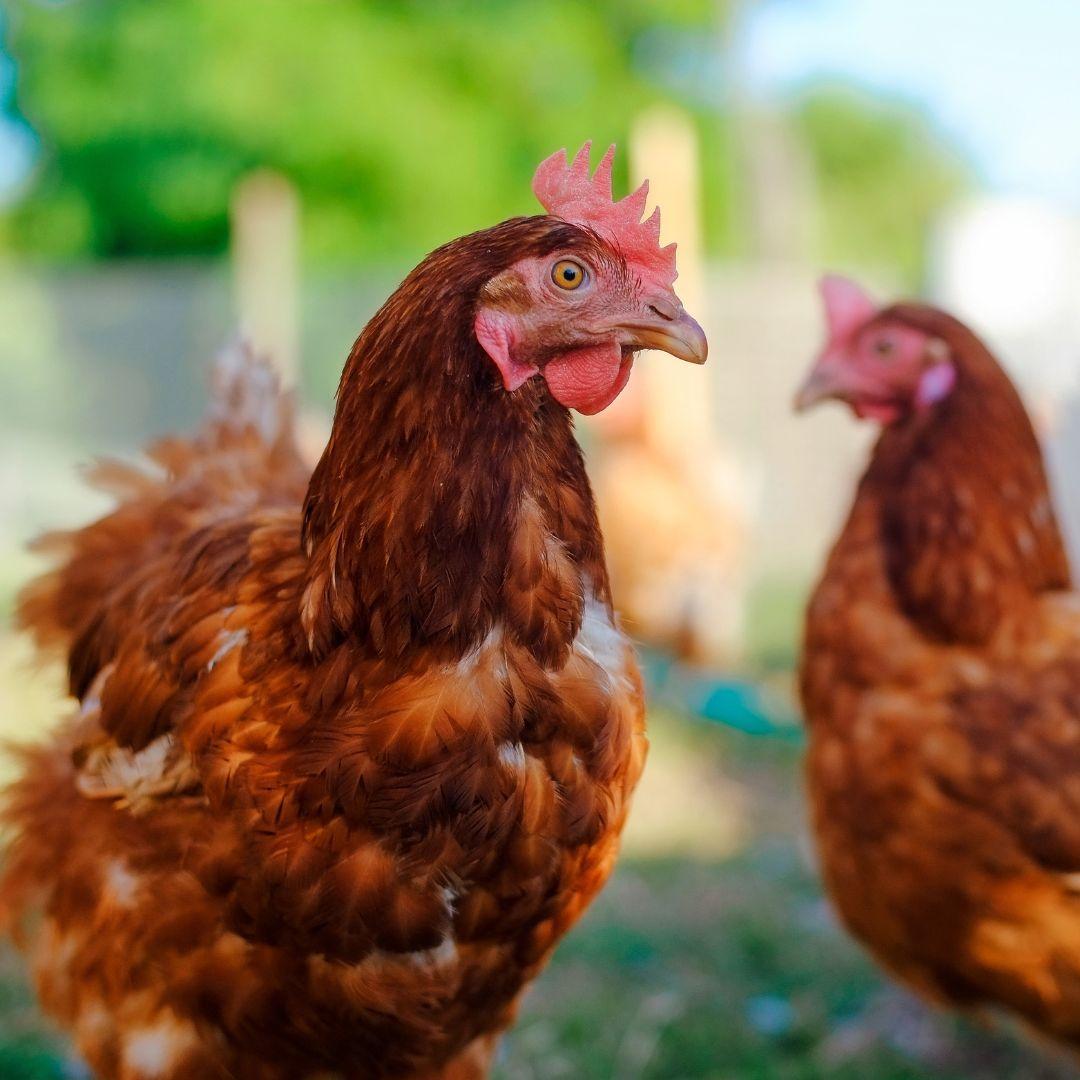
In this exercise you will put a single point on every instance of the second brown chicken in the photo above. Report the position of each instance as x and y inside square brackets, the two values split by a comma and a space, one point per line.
[941, 677]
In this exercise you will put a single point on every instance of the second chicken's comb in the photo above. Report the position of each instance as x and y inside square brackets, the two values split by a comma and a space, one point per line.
[566, 189]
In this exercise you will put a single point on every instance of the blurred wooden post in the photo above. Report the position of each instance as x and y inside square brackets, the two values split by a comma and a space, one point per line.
[677, 400]
[681, 584]
[265, 232]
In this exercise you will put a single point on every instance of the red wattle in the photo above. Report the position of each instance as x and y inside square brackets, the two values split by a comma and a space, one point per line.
[590, 379]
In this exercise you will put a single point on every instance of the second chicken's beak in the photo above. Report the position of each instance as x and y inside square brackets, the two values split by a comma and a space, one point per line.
[670, 329]
[821, 384]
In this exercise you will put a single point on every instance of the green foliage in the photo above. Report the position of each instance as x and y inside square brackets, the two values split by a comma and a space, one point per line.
[883, 173]
[403, 122]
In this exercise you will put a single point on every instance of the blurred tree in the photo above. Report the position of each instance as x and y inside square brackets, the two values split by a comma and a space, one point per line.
[882, 174]
[402, 122]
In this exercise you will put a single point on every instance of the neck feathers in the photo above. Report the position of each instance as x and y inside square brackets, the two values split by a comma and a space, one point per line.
[445, 508]
[966, 516]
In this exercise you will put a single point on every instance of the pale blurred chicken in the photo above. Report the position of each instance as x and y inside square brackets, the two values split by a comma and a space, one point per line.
[676, 551]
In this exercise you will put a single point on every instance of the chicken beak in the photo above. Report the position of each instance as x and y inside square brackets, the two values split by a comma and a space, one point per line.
[821, 384]
[671, 330]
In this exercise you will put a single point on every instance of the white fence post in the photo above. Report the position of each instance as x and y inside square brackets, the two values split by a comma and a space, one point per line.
[265, 235]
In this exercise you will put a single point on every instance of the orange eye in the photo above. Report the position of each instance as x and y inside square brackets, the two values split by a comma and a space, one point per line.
[568, 274]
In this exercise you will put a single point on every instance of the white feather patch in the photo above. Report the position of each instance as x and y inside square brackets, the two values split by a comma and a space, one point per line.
[512, 755]
[601, 641]
[152, 1051]
[227, 640]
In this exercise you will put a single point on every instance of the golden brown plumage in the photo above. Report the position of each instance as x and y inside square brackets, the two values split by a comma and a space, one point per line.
[941, 684]
[353, 750]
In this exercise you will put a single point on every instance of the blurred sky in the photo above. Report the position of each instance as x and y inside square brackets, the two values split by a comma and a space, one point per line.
[1001, 77]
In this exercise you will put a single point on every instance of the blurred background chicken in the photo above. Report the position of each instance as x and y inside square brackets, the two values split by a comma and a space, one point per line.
[941, 676]
[353, 750]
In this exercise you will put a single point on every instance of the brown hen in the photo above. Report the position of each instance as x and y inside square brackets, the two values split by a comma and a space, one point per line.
[941, 677]
[353, 750]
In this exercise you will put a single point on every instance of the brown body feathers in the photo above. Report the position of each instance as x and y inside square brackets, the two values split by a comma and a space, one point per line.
[353, 751]
[941, 682]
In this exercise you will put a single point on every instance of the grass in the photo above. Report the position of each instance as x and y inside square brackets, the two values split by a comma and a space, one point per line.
[712, 953]
[774, 620]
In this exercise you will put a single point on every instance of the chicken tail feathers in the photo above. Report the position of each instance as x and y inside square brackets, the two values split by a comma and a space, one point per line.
[247, 399]
[243, 454]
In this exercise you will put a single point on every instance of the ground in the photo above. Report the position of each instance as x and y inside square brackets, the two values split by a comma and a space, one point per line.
[712, 953]
[733, 967]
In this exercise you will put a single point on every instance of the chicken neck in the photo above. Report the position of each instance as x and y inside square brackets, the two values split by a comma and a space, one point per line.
[444, 506]
[965, 512]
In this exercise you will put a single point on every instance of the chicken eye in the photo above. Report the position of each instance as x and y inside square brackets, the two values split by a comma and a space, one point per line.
[568, 274]
[884, 347]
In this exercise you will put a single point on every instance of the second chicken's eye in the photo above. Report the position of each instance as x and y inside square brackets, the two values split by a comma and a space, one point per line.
[568, 274]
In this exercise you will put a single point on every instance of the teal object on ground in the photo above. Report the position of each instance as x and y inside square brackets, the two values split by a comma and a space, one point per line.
[733, 702]
[742, 706]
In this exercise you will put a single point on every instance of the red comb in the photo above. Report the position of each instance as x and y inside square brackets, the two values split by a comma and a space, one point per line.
[566, 190]
[848, 307]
